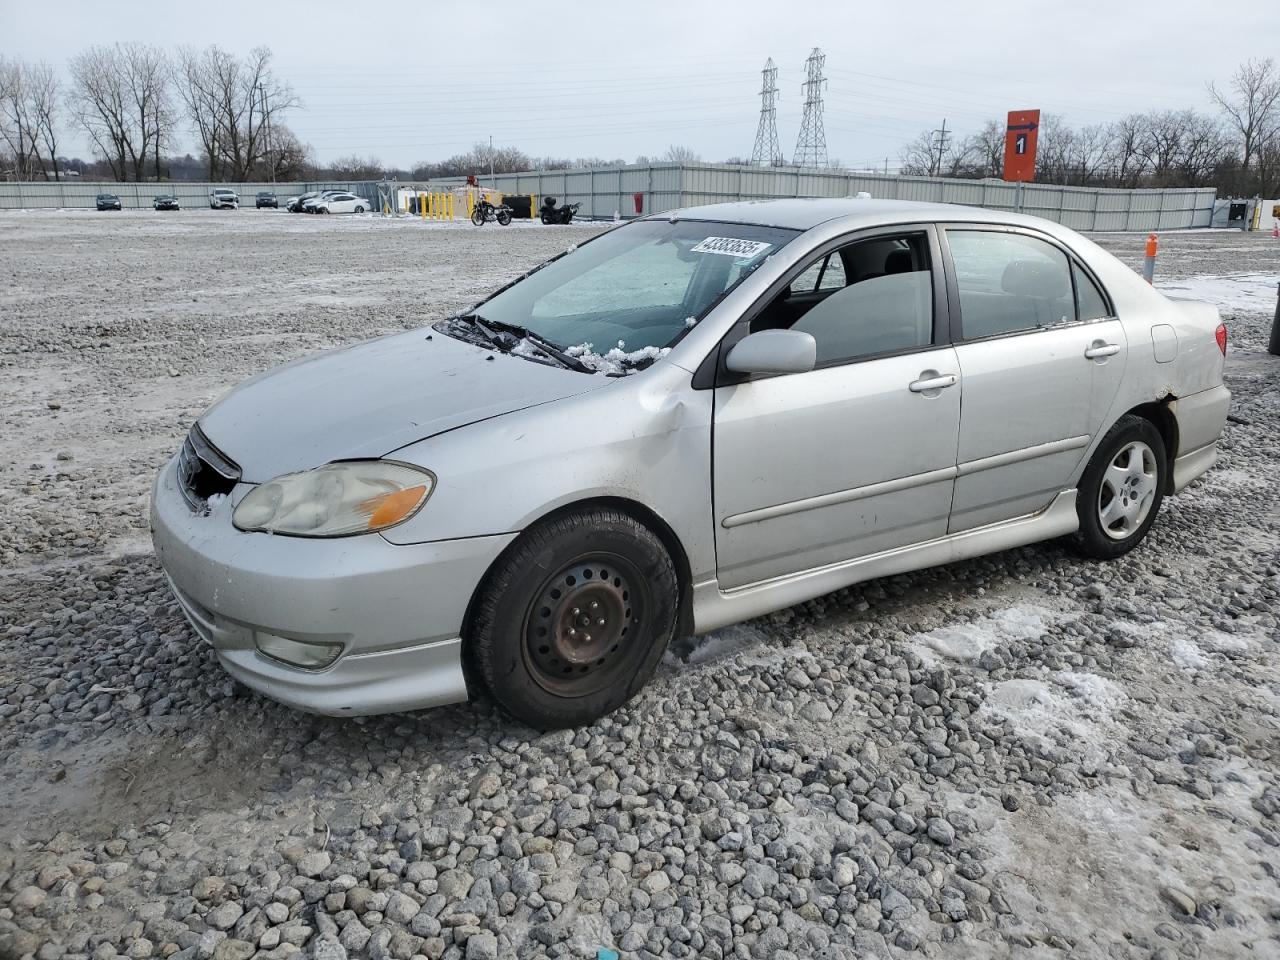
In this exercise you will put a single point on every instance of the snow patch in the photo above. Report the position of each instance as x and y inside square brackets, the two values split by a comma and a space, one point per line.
[1066, 710]
[1187, 654]
[725, 643]
[1238, 291]
[966, 642]
[1225, 642]
[618, 361]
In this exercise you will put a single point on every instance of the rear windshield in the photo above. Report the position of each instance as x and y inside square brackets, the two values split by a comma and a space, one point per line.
[638, 287]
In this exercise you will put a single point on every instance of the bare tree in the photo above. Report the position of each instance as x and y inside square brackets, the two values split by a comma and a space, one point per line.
[1162, 145]
[290, 158]
[28, 118]
[1204, 144]
[1252, 105]
[44, 94]
[919, 158]
[235, 107]
[98, 101]
[677, 153]
[356, 168]
[985, 150]
[1127, 161]
[149, 77]
[121, 96]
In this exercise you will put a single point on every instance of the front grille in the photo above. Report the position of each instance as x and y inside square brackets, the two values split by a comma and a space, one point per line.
[203, 471]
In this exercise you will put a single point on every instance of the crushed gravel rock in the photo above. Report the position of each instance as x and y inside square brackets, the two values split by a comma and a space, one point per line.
[1021, 755]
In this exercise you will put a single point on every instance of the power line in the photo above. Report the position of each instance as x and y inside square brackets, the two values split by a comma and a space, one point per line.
[811, 145]
[767, 152]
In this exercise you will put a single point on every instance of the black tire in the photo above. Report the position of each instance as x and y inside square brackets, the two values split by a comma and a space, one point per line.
[546, 218]
[477, 217]
[504, 217]
[529, 636]
[359, 209]
[1117, 506]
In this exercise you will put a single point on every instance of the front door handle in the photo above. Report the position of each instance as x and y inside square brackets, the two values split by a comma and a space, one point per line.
[932, 381]
[1100, 348]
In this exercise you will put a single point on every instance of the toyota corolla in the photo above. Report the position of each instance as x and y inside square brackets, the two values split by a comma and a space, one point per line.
[685, 422]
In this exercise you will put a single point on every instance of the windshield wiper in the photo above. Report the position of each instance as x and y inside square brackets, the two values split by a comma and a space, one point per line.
[490, 335]
[551, 349]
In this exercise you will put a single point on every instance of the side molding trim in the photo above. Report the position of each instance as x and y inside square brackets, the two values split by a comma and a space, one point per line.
[714, 608]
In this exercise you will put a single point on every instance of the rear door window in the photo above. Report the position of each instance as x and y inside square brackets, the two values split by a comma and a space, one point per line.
[1009, 283]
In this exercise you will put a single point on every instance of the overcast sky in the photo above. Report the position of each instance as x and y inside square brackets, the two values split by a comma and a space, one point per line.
[630, 78]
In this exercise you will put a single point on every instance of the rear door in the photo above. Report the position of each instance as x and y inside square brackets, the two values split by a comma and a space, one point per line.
[858, 455]
[1041, 359]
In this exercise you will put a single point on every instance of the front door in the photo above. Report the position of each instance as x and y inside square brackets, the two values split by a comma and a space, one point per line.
[858, 455]
[1041, 360]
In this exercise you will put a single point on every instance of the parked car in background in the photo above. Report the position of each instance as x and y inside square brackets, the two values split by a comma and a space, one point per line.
[309, 204]
[108, 201]
[492, 492]
[165, 202]
[221, 198]
[340, 203]
[266, 199]
[295, 203]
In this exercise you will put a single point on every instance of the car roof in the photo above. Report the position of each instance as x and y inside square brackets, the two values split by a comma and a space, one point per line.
[804, 213]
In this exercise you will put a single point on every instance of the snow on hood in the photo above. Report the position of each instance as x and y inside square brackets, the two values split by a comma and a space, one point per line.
[373, 398]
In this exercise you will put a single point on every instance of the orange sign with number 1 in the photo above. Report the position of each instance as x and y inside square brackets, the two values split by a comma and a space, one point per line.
[1020, 145]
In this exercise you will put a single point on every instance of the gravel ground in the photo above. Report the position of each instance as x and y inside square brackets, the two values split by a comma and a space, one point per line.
[1024, 755]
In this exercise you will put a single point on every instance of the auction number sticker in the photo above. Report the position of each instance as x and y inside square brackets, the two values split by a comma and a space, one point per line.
[731, 247]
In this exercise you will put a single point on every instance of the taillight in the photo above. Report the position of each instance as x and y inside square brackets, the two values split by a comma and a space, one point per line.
[1221, 336]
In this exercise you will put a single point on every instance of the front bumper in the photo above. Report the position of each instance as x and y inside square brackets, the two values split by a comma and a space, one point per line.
[396, 610]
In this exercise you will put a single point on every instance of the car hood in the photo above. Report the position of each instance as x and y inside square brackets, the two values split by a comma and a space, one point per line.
[368, 400]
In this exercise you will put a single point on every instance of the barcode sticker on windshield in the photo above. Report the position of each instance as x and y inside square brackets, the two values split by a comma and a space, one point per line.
[729, 247]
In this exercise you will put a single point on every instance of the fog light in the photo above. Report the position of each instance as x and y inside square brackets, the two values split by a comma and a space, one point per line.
[307, 654]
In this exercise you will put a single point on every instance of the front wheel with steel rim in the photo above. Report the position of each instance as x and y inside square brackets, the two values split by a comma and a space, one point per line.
[1122, 488]
[574, 617]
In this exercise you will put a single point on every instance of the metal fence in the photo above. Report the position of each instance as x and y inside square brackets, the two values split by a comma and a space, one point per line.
[636, 190]
[605, 191]
[81, 193]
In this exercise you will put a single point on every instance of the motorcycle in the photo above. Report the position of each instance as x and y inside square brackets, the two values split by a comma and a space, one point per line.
[550, 213]
[486, 212]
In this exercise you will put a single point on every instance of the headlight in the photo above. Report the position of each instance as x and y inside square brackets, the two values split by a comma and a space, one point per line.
[337, 500]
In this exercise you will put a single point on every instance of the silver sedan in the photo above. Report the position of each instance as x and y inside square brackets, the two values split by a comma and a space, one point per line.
[688, 421]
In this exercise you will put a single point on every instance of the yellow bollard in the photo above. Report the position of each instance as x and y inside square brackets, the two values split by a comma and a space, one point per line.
[422, 205]
[533, 206]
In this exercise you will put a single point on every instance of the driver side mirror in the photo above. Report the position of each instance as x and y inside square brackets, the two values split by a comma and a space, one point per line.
[773, 351]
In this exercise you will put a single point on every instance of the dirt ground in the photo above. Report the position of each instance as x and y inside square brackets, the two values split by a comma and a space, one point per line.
[1023, 755]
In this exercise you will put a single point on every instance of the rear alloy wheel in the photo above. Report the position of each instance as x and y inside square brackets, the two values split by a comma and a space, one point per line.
[574, 618]
[1122, 489]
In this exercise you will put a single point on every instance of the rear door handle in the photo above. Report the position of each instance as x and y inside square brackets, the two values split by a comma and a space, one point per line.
[1099, 349]
[934, 382]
